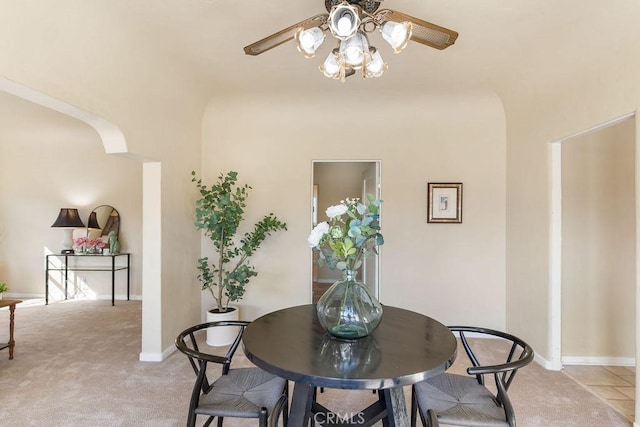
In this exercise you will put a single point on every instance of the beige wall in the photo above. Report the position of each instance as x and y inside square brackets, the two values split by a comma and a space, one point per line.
[455, 273]
[50, 161]
[537, 115]
[85, 54]
[598, 246]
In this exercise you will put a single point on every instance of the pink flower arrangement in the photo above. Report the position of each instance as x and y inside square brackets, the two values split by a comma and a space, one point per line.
[96, 243]
[85, 242]
[80, 242]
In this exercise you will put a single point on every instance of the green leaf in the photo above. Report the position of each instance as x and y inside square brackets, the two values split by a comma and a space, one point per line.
[219, 212]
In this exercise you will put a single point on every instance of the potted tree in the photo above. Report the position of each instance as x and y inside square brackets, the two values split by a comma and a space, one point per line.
[219, 213]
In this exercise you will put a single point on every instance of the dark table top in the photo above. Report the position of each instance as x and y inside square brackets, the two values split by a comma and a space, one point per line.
[406, 348]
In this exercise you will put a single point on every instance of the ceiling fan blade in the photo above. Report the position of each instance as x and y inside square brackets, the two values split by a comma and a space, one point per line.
[285, 35]
[423, 32]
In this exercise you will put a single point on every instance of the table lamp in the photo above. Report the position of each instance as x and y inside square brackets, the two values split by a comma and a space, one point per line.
[68, 219]
[92, 223]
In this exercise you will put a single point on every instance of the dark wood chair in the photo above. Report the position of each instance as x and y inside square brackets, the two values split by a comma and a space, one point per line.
[236, 392]
[464, 400]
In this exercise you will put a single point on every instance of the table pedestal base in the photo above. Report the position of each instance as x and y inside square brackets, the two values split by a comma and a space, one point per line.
[390, 408]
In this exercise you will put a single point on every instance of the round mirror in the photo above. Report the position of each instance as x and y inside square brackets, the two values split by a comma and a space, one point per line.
[103, 220]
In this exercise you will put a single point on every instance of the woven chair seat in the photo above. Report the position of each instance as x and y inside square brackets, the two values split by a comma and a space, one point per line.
[460, 400]
[234, 393]
[241, 394]
[465, 400]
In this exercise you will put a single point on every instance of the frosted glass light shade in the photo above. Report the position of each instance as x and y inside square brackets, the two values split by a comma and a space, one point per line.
[375, 66]
[332, 65]
[397, 34]
[344, 21]
[353, 49]
[345, 25]
[309, 41]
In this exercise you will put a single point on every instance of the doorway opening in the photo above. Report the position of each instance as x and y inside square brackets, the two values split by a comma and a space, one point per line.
[333, 181]
[593, 252]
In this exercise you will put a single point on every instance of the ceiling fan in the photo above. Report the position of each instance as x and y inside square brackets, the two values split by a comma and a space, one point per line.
[350, 22]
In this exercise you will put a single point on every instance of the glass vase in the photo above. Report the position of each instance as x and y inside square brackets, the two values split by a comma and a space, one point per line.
[347, 309]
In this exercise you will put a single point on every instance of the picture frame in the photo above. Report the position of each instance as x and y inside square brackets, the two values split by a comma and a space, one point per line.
[444, 202]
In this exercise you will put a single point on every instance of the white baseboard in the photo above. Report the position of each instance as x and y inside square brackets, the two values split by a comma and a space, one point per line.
[119, 297]
[549, 365]
[16, 295]
[150, 357]
[604, 361]
[599, 361]
[157, 357]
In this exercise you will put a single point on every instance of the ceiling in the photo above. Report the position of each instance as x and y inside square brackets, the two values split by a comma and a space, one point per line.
[501, 42]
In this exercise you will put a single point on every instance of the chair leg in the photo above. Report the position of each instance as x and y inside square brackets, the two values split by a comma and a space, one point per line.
[285, 408]
[432, 418]
[191, 420]
[220, 421]
[263, 417]
[382, 399]
[414, 406]
[315, 396]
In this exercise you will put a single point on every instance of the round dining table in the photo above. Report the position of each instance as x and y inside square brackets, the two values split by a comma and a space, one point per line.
[406, 348]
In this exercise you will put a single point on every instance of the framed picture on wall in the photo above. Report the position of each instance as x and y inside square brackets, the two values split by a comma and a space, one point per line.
[444, 202]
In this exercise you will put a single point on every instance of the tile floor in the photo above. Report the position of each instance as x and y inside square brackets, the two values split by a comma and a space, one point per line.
[615, 384]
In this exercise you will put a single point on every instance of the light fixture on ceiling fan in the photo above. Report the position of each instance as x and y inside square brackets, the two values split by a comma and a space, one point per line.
[350, 22]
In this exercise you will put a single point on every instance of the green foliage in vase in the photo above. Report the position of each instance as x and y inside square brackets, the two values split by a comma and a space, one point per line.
[219, 213]
[351, 234]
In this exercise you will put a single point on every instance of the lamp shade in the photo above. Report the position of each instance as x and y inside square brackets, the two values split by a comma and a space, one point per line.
[92, 222]
[68, 218]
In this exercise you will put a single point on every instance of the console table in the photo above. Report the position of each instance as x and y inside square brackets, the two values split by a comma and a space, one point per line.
[11, 303]
[65, 268]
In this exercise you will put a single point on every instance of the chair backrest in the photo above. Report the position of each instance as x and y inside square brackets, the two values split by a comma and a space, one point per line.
[519, 355]
[186, 342]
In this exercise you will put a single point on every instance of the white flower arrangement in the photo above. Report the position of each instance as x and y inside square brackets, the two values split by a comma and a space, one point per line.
[352, 233]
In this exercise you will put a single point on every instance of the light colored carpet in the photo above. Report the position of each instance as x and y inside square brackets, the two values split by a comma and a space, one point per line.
[76, 364]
